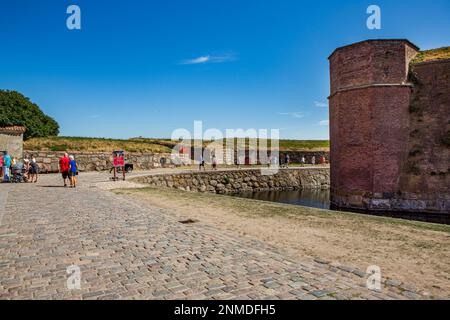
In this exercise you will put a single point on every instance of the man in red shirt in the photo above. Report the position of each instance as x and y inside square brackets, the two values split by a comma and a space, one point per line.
[64, 167]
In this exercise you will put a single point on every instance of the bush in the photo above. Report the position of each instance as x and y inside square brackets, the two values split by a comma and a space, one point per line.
[17, 110]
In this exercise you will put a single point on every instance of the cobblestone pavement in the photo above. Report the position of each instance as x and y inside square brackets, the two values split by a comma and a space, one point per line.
[126, 251]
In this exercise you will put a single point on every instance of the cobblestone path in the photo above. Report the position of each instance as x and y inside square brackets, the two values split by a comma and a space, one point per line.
[127, 251]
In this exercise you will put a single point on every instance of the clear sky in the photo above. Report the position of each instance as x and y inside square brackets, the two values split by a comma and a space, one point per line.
[145, 68]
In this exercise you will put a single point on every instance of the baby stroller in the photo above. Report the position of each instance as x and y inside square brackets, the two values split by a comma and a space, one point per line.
[18, 173]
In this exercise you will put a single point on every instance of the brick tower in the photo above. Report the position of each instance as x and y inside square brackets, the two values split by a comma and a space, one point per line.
[369, 103]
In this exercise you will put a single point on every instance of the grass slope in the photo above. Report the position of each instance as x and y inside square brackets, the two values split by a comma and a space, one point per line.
[145, 144]
[434, 54]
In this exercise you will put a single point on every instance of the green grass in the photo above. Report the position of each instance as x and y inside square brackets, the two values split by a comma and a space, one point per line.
[250, 207]
[148, 144]
[434, 54]
[92, 145]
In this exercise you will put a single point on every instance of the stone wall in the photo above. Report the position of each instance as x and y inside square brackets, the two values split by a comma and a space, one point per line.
[237, 181]
[98, 161]
[388, 126]
[13, 143]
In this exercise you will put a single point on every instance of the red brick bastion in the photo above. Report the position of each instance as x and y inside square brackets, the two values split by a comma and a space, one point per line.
[389, 129]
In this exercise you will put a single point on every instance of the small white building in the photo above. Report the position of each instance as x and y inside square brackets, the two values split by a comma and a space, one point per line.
[11, 140]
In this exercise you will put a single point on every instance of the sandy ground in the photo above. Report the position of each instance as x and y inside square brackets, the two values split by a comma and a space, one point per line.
[412, 252]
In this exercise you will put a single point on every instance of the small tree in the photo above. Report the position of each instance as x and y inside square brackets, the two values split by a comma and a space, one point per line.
[18, 110]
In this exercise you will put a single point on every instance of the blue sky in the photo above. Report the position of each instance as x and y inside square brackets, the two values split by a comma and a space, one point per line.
[145, 68]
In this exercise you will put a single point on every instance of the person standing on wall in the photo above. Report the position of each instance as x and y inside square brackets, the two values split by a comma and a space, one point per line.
[6, 166]
[64, 166]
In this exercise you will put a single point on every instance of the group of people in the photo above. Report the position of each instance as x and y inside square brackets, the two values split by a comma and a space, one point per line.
[26, 170]
[69, 170]
[201, 163]
[13, 170]
[322, 160]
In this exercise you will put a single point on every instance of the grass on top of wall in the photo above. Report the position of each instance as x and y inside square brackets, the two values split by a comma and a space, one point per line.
[434, 54]
[284, 145]
[92, 145]
[149, 144]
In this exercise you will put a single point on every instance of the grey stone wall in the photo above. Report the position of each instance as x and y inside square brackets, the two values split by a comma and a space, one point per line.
[236, 181]
[98, 161]
[12, 143]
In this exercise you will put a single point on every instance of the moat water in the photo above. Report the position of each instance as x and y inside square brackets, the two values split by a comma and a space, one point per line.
[321, 199]
[314, 198]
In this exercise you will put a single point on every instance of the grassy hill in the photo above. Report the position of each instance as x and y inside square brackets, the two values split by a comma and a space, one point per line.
[434, 54]
[144, 144]
[92, 145]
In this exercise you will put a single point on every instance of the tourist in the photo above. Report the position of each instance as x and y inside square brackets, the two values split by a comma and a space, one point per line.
[236, 162]
[303, 161]
[6, 166]
[214, 162]
[322, 160]
[64, 167]
[1, 165]
[34, 170]
[201, 164]
[286, 160]
[73, 172]
[313, 160]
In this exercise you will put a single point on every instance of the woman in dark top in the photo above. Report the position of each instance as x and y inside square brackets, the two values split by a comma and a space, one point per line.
[34, 170]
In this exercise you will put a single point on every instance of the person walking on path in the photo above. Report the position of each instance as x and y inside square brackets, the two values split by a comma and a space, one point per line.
[214, 162]
[34, 171]
[6, 166]
[287, 160]
[303, 161]
[64, 165]
[313, 160]
[322, 160]
[73, 172]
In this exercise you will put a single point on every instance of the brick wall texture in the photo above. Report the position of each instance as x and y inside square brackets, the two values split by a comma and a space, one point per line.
[389, 126]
